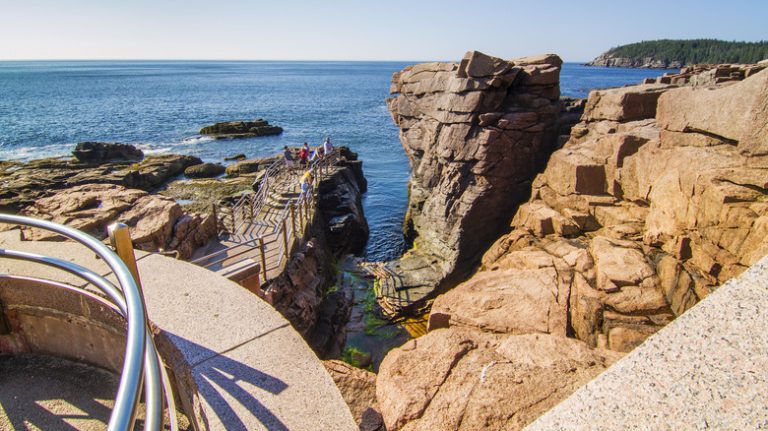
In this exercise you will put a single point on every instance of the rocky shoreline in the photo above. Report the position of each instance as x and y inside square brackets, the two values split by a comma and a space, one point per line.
[656, 198]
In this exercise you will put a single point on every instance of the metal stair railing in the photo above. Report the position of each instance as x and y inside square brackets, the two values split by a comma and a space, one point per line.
[290, 224]
[142, 363]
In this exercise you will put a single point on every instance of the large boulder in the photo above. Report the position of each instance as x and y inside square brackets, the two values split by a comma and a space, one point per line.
[101, 152]
[459, 379]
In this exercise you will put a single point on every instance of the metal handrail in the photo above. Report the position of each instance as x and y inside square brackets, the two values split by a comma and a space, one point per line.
[300, 204]
[140, 350]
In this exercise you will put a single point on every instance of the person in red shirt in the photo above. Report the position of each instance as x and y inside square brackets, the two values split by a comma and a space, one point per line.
[304, 154]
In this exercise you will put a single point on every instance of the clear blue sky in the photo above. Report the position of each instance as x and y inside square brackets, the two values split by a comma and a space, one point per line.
[359, 29]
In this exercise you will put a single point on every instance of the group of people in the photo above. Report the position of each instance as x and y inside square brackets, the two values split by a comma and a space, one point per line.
[307, 155]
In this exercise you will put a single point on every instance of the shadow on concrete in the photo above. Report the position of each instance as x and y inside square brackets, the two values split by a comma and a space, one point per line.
[50, 393]
[219, 377]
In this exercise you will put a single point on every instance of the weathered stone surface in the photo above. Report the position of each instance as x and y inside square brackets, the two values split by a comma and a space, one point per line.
[512, 301]
[23, 183]
[657, 217]
[100, 152]
[241, 129]
[358, 387]
[475, 135]
[476, 380]
[155, 222]
[740, 116]
[623, 104]
[249, 166]
[204, 170]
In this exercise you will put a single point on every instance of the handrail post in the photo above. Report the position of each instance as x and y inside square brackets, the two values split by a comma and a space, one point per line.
[293, 217]
[301, 217]
[215, 217]
[120, 237]
[285, 238]
[263, 258]
[250, 203]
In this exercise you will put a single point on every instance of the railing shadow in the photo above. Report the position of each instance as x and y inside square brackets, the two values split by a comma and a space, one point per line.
[220, 380]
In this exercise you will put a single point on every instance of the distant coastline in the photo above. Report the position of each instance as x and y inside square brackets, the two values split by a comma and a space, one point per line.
[674, 54]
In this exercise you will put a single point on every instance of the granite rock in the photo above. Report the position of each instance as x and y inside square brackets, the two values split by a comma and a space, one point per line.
[475, 133]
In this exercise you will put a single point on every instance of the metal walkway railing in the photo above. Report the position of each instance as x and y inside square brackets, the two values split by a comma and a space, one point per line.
[142, 363]
[262, 237]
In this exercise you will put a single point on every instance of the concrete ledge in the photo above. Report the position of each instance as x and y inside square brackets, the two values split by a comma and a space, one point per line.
[236, 362]
[708, 369]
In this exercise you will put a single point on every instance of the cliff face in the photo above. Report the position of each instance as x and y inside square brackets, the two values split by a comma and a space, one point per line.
[657, 198]
[475, 134]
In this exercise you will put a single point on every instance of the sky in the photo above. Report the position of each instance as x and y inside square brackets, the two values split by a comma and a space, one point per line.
[359, 30]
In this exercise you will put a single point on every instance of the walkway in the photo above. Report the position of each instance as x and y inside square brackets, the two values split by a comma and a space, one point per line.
[257, 234]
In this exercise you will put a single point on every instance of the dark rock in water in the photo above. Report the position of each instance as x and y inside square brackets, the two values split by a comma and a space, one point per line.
[100, 152]
[340, 204]
[236, 158]
[241, 129]
[204, 170]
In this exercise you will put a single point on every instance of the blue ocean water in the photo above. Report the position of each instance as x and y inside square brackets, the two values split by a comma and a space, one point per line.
[47, 107]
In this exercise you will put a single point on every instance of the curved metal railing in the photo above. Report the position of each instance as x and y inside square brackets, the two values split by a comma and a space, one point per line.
[141, 363]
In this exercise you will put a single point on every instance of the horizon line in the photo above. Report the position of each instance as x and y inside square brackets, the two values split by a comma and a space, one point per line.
[244, 60]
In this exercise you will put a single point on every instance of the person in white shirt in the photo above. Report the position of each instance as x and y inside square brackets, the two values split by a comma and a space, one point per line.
[327, 146]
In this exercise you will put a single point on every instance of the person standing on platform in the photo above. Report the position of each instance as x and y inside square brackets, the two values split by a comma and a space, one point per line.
[288, 157]
[327, 146]
[304, 154]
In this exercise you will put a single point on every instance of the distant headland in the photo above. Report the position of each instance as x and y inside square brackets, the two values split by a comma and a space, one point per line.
[676, 53]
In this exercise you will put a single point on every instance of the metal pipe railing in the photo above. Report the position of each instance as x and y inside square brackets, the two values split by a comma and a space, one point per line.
[139, 350]
[255, 202]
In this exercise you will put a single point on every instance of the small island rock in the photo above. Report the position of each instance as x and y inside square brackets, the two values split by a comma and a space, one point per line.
[241, 129]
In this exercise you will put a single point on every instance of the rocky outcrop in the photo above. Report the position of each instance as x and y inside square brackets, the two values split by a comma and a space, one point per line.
[101, 152]
[708, 74]
[156, 223]
[340, 203]
[241, 129]
[204, 170]
[23, 183]
[301, 292]
[475, 133]
[657, 198]
[358, 387]
[250, 166]
[611, 60]
[461, 379]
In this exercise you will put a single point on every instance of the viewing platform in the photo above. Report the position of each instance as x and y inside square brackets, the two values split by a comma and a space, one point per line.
[232, 361]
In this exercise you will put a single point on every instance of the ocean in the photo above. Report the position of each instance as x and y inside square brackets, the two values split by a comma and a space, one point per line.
[47, 107]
